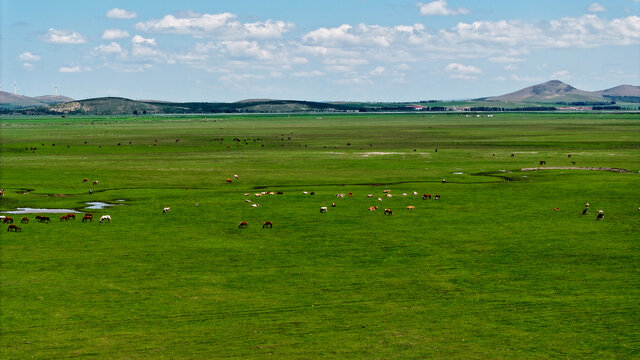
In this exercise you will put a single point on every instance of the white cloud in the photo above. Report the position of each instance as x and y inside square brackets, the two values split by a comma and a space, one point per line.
[504, 59]
[74, 69]
[308, 73]
[28, 66]
[510, 67]
[379, 70]
[112, 48]
[462, 72]
[28, 56]
[529, 79]
[139, 40]
[561, 75]
[111, 34]
[439, 7]
[222, 26]
[63, 37]
[145, 51]
[595, 7]
[116, 13]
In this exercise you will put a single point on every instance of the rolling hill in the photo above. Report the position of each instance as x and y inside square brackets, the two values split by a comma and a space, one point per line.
[554, 91]
[14, 101]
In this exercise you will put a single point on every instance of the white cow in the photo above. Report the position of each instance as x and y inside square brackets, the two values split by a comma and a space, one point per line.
[106, 218]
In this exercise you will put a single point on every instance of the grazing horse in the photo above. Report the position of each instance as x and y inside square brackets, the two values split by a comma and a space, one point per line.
[323, 209]
[267, 225]
[388, 212]
[14, 228]
[543, 162]
[166, 210]
[8, 220]
[43, 219]
[426, 196]
[411, 207]
[437, 197]
[106, 218]
[87, 217]
[95, 182]
[71, 216]
[333, 205]
[229, 181]
[243, 224]
[85, 180]
[64, 218]
[600, 215]
[25, 220]
[373, 208]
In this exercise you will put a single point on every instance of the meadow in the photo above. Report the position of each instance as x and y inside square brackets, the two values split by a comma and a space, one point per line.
[502, 266]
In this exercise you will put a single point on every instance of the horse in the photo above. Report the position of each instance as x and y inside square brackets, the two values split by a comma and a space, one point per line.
[25, 220]
[64, 218]
[267, 225]
[87, 217]
[106, 218]
[243, 224]
[71, 216]
[166, 210]
[437, 197]
[8, 220]
[426, 196]
[229, 181]
[43, 219]
[411, 207]
[95, 182]
[543, 162]
[85, 180]
[14, 228]
[388, 212]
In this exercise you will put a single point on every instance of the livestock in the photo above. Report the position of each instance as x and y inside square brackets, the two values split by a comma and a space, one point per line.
[415, 193]
[388, 212]
[243, 224]
[437, 197]
[87, 217]
[379, 199]
[14, 228]
[556, 209]
[95, 182]
[386, 191]
[85, 180]
[64, 218]
[340, 195]
[43, 219]
[370, 195]
[444, 181]
[249, 201]
[373, 208]
[229, 181]
[333, 205]
[543, 162]
[255, 205]
[411, 207]
[71, 216]
[166, 210]
[279, 193]
[267, 225]
[584, 212]
[600, 215]
[7, 220]
[235, 176]
[323, 209]
[25, 220]
[106, 218]
[426, 196]
[388, 195]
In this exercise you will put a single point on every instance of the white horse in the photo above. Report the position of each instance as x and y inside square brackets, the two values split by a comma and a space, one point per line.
[166, 210]
[106, 218]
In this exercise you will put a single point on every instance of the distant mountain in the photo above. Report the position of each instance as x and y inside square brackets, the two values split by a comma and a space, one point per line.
[553, 91]
[13, 101]
[622, 90]
[105, 106]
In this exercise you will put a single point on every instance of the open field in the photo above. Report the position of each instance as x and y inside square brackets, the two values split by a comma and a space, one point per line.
[488, 271]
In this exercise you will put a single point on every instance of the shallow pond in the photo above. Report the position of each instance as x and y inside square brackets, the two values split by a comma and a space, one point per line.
[38, 211]
[97, 205]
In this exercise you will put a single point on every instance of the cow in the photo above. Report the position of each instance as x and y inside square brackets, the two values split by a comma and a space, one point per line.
[600, 215]
[7, 220]
[373, 208]
[87, 217]
[267, 225]
[388, 212]
[14, 228]
[106, 218]
[323, 209]
[25, 220]
[243, 224]
[166, 210]
[437, 197]
[426, 196]
[71, 216]
[411, 207]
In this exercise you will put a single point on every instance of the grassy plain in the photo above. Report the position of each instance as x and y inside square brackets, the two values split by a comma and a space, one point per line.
[490, 270]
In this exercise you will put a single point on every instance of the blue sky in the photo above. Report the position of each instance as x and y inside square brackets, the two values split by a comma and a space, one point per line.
[354, 50]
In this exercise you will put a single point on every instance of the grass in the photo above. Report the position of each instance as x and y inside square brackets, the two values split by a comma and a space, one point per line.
[488, 271]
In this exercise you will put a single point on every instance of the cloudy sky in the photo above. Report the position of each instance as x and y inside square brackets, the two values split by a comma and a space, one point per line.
[359, 50]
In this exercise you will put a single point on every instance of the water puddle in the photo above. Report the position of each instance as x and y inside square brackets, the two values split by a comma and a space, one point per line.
[38, 211]
[97, 205]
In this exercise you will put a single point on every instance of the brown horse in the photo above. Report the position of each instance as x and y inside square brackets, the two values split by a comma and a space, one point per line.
[64, 218]
[14, 228]
[71, 216]
[426, 196]
[87, 217]
[25, 220]
[267, 225]
[243, 224]
[388, 212]
[7, 220]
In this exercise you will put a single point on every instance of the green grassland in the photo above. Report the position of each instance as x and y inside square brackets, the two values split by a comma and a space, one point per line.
[489, 271]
